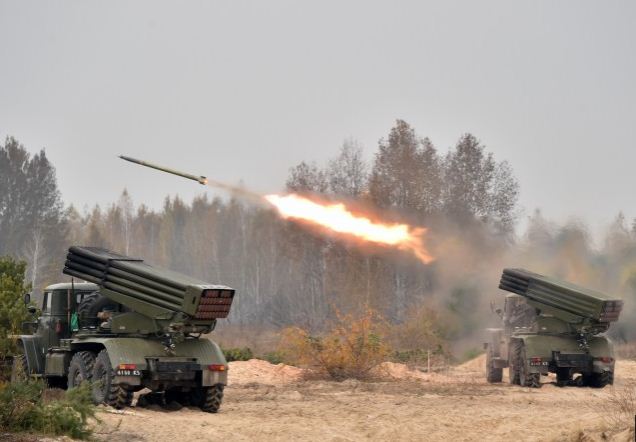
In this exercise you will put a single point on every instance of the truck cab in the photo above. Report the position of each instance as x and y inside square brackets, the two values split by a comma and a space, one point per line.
[58, 305]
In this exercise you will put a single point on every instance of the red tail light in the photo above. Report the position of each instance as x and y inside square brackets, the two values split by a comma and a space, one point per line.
[605, 359]
[217, 367]
[535, 359]
[127, 366]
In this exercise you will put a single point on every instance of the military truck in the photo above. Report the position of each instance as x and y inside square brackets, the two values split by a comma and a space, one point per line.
[551, 326]
[129, 326]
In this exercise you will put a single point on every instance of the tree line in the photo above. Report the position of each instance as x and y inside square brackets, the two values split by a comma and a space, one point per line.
[286, 273]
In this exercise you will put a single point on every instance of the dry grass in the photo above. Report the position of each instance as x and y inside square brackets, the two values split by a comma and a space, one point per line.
[620, 410]
[625, 350]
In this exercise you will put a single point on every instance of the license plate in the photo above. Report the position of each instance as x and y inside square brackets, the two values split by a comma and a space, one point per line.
[542, 363]
[128, 373]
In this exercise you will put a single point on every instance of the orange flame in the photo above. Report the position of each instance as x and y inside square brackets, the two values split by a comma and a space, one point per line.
[337, 218]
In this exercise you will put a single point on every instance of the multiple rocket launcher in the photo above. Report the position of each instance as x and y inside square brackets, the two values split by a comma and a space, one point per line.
[561, 296]
[152, 291]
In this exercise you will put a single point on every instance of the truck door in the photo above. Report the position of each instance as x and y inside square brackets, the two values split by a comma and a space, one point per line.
[46, 327]
[58, 315]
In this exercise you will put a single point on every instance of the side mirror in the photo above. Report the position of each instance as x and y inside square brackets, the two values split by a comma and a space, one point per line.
[32, 309]
[27, 298]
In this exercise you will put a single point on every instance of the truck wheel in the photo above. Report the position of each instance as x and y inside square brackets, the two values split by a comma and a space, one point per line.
[209, 398]
[81, 368]
[105, 391]
[513, 362]
[492, 374]
[92, 304]
[526, 379]
[599, 380]
[563, 376]
[19, 369]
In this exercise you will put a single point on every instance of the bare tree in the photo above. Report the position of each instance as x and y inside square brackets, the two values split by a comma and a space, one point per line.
[35, 256]
[125, 206]
[348, 172]
[307, 178]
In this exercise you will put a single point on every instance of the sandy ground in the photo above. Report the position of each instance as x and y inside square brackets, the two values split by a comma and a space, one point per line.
[268, 402]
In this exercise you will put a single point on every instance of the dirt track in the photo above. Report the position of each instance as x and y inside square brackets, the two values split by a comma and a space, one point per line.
[269, 403]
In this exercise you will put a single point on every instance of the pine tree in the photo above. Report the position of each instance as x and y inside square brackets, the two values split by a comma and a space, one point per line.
[32, 224]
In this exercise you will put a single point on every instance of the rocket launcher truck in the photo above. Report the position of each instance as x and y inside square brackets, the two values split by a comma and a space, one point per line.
[551, 326]
[129, 326]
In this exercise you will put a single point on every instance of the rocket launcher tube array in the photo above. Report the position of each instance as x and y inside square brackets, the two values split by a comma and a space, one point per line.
[135, 281]
[562, 295]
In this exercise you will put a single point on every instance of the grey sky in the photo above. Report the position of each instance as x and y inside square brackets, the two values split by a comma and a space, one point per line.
[244, 90]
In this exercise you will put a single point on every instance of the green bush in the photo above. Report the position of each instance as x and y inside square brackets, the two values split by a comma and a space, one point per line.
[22, 408]
[12, 309]
[238, 354]
[471, 353]
[274, 357]
[410, 356]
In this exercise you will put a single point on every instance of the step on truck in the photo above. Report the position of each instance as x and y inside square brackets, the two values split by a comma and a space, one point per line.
[551, 326]
[127, 326]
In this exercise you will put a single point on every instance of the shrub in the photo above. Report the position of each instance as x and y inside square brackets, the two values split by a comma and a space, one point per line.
[274, 357]
[22, 408]
[19, 405]
[12, 309]
[422, 331]
[238, 354]
[351, 348]
[471, 353]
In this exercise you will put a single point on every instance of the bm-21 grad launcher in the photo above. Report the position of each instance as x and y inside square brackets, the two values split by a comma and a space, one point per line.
[131, 326]
[551, 325]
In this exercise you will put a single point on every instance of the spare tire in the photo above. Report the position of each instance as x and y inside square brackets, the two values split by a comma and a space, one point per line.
[92, 304]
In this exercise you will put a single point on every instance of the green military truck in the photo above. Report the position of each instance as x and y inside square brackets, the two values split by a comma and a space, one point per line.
[130, 326]
[551, 326]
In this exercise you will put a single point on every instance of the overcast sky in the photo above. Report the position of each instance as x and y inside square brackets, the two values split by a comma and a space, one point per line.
[241, 90]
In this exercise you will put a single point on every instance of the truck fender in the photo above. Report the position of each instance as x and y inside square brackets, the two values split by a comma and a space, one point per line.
[494, 341]
[35, 359]
[601, 348]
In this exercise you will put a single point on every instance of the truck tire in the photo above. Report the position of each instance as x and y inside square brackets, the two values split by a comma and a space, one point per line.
[19, 369]
[208, 398]
[92, 304]
[526, 379]
[81, 368]
[563, 376]
[513, 362]
[105, 391]
[492, 374]
[600, 380]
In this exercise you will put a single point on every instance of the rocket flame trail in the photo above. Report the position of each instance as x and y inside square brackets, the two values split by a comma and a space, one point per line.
[337, 218]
